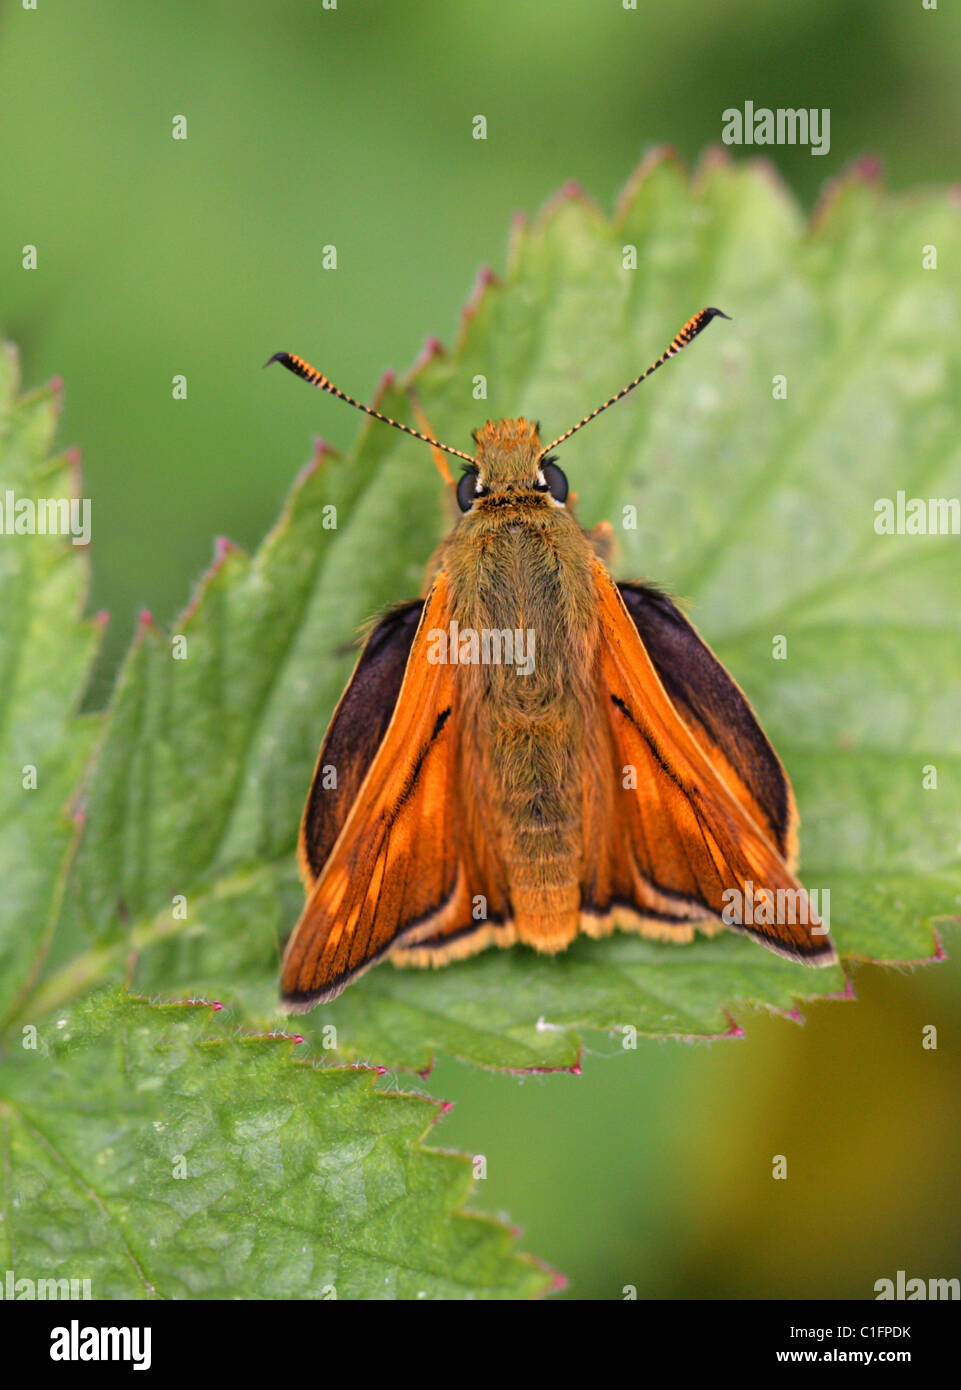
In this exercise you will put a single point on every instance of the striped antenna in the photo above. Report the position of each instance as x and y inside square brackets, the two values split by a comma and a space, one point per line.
[687, 335]
[310, 374]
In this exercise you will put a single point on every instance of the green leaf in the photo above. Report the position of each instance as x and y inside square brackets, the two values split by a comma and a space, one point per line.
[45, 656]
[160, 1160]
[758, 511]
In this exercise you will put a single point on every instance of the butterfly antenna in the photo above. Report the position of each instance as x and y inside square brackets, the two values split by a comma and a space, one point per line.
[310, 374]
[687, 335]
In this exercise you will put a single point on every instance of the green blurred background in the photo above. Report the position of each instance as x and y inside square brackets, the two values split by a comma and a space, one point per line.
[352, 126]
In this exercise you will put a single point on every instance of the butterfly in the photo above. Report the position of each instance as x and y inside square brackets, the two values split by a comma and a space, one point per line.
[533, 750]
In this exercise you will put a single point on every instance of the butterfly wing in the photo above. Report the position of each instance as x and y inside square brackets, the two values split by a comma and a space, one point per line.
[399, 868]
[356, 732]
[674, 824]
[717, 713]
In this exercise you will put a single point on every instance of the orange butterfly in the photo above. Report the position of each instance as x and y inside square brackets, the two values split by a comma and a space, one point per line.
[533, 750]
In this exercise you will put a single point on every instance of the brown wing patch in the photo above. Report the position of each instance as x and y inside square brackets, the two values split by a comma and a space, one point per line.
[355, 734]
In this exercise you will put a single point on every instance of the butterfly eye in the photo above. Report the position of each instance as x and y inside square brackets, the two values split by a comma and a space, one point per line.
[555, 480]
[467, 490]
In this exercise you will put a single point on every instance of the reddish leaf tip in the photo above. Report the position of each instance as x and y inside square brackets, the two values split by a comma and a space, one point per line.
[719, 157]
[433, 347]
[867, 171]
[570, 192]
[485, 279]
[657, 155]
[320, 450]
[869, 167]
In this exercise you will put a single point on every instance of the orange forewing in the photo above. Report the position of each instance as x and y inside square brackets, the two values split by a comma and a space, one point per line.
[355, 735]
[670, 825]
[400, 868]
[716, 711]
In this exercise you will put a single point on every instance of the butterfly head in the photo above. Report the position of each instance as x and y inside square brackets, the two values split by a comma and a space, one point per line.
[510, 463]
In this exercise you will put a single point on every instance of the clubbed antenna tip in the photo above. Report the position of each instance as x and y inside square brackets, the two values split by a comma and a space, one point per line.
[680, 341]
[310, 374]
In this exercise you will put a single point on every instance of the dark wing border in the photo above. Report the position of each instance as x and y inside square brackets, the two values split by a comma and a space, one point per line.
[355, 733]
